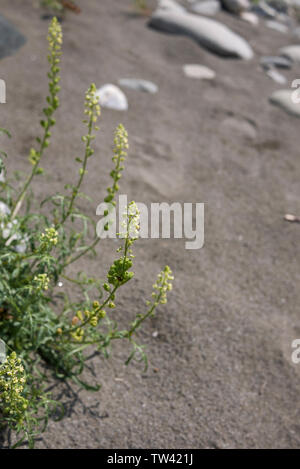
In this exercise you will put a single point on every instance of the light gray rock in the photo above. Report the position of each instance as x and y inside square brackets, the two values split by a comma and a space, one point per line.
[171, 5]
[239, 127]
[292, 52]
[249, 17]
[280, 5]
[275, 61]
[264, 10]
[2, 176]
[199, 71]
[276, 76]
[139, 85]
[271, 61]
[284, 99]
[236, 6]
[285, 19]
[2, 351]
[209, 33]
[10, 38]
[206, 7]
[295, 6]
[281, 28]
[112, 97]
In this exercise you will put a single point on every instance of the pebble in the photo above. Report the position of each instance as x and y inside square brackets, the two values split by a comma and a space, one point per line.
[2, 351]
[199, 71]
[236, 6]
[264, 10]
[209, 33]
[206, 7]
[283, 99]
[4, 209]
[276, 76]
[292, 52]
[275, 61]
[170, 5]
[239, 127]
[281, 28]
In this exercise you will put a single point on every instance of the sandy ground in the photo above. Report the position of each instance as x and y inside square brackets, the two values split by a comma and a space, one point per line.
[220, 371]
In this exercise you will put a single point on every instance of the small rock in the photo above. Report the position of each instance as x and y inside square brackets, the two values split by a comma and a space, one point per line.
[239, 127]
[281, 28]
[199, 71]
[291, 218]
[275, 61]
[139, 84]
[171, 5]
[236, 6]
[283, 18]
[11, 233]
[279, 5]
[292, 52]
[206, 7]
[2, 351]
[295, 7]
[276, 76]
[209, 33]
[264, 10]
[110, 96]
[249, 17]
[10, 38]
[4, 209]
[296, 32]
[283, 99]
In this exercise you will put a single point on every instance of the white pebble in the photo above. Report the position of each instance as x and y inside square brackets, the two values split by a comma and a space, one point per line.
[110, 96]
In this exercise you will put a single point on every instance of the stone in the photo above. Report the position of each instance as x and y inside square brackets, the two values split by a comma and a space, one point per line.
[284, 100]
[239, 127]
[207, 32]
[275, 61]
[281, 28]
[139, 84]
[4, 209]
[249, 17]
[2, 351]
[276, 76]
[199, 71]
[279, 5]
[236, 6]
[264, 10]
[296, 32]
[10, 232]
[206, 7]
[10, 38]
[170, 5]
[292, 52]
[2, 176]
[110, 96]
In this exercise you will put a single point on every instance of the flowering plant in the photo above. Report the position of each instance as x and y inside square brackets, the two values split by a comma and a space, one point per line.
[40, 332]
